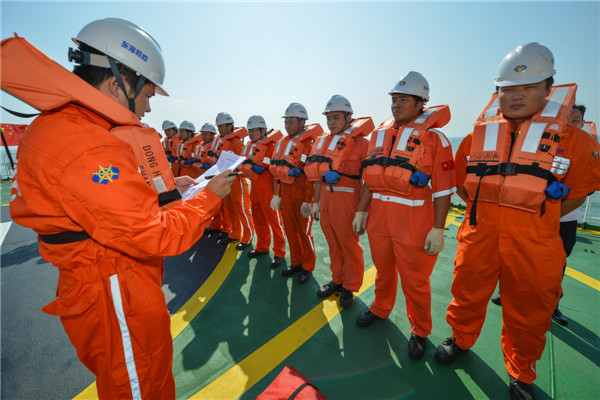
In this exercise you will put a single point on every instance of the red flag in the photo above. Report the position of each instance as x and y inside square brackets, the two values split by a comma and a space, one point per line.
[13, 133]
[448, 165]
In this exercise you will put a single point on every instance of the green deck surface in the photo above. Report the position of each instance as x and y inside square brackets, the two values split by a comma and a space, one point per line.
[256, 303]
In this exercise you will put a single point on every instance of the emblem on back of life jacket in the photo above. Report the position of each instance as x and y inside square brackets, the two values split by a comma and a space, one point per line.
[106, 175]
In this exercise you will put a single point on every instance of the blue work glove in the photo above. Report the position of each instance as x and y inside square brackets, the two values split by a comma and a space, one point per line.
[330, 177]
[188, 161]
[295, 172]
[205, 165]
[419, 179]
[556, 190]
[171, 159]
[258, 169]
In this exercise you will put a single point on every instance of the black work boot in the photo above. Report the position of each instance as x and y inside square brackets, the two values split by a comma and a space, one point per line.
[447, 352]
[559, 318]
[496, 299]
[520, 390]
[366, 319]
[346, 298]
[276, 262]
[303, 276]
[416, 346]
[290, 270]
[329, 289]
[254, 253]
[227, 240]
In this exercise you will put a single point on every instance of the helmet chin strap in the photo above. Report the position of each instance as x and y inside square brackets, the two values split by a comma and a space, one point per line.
[138, 87]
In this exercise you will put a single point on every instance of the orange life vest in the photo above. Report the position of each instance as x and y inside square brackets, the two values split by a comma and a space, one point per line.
[330, 152]
[256, 154]
[590, 128]
[29, 75]
[517, 178]
[200, 151]
[395, 154]
[169, 143]
[224, 143]
[289, 153]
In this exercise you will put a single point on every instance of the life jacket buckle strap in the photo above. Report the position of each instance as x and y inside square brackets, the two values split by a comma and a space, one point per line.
[507, 169]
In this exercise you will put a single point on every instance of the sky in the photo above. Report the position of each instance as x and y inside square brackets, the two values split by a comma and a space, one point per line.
[250, 58]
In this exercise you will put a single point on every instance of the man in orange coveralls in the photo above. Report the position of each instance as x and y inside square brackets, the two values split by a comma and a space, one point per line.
[410, 248]
[237, 203]
[184, 148]
[170, 143]
[335, 205]
[526, 168]
[261, 193]
[220, 223]
[79, 188]
[294, 198]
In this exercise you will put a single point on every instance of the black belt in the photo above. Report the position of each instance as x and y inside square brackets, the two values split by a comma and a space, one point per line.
[64, 237]
[167, 197]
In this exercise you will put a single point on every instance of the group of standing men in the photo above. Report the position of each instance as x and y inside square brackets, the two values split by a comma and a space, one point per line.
[100, 223]
[521, 169]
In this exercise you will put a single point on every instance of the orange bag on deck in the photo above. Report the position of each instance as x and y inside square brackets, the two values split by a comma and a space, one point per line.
[291, 384]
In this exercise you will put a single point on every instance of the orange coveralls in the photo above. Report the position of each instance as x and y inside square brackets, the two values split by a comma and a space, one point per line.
[338, 208]
[298, 230]
[237, 203]
[524, 252]
[261, 193]
[220, 221]
[398, 248]
[74, 175]
[187, 152]
[170, 146]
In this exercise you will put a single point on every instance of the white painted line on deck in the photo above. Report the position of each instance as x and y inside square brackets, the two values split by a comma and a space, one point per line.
[4, 227]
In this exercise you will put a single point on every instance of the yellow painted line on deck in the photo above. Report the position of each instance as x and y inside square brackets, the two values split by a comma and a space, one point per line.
[191, 308]
[238, 379]
[242, 376]
[583, 278]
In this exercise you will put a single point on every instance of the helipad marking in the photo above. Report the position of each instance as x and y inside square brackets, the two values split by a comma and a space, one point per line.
[234, 382]
[4, 227]
[583, 278]
[190, 309]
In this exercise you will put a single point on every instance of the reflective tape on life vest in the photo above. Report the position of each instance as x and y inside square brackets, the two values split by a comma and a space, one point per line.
[553, 106]
[398, 200]
[560, 165]
[340, 189]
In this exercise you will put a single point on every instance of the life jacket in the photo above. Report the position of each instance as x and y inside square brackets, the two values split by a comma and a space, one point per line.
[256, 154]
[395, 154]
[169, 143]
[224, 143]
[517, 178]
[29, 75]
[200, 151]
[590, 128]
[289, 153]
[186, 149]
[330, 152]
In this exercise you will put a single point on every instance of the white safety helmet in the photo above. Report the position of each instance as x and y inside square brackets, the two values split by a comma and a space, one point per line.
[338, 103]
[224, 118]
[208, 128]
[296, 110]
[168, 125]
[128, 44]
[256, 121]
[187, 125]
[528, 63]
[412, 83]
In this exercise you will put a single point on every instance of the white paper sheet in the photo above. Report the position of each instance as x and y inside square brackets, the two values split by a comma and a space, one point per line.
[227, 160]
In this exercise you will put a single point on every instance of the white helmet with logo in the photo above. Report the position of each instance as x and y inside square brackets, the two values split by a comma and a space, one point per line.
[296, 110]
[528, 63]
[168, 125]
[224, 118]
[338, 103]
[128, 44]
[208, 128]
[256, 121]
[414, 84]
[188, 126]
